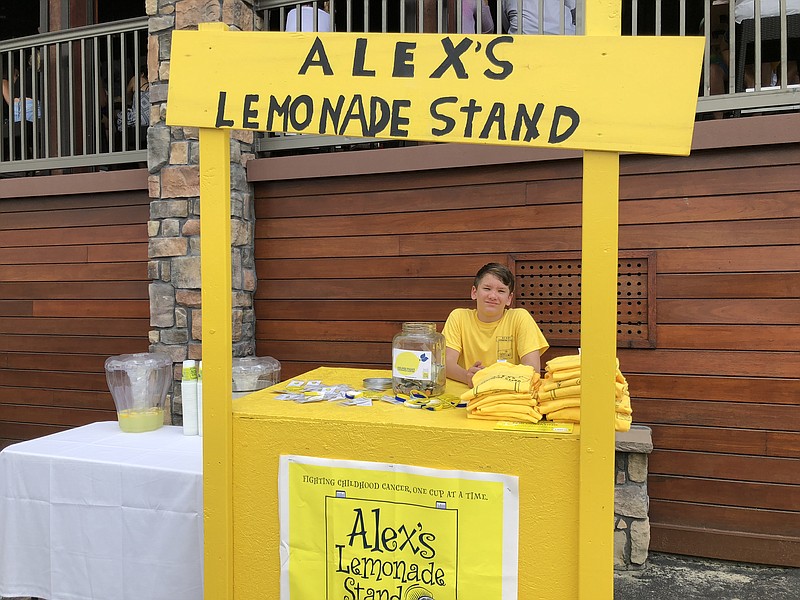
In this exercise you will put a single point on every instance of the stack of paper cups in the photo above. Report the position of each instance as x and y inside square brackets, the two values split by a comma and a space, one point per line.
[189, 398]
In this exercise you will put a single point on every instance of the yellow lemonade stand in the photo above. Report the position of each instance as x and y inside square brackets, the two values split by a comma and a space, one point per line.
[600, 93]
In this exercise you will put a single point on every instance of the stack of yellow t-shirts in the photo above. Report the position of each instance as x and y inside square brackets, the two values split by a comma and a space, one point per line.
[559, 395]
[503, 392]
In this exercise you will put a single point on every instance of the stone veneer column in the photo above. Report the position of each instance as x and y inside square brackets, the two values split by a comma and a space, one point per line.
[174, 185]
[631, 501]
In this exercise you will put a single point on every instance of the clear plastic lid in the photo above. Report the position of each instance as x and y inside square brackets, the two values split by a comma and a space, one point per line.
[141, 360]
[254, 373]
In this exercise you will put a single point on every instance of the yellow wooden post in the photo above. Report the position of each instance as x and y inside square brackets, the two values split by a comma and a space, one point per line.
[599, 251]
[215, 268]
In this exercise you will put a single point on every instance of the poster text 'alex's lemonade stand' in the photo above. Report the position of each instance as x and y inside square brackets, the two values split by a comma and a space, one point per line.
[314, 501]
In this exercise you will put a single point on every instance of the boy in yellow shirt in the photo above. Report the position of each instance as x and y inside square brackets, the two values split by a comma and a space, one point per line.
[478, 337]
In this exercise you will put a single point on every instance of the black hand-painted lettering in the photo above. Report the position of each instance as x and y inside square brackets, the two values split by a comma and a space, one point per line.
[399, 120]
[278, 109]
[453, 58]
[379, 115]
[308, 105]
[470, 110]
[505, 65]
[529, 121]
[563, 112]
[329, 111]
[355, 112]
[221, 121]
[317, 57]
[358, 60]
[449, 122]
[404, 59]
[249, 113]
[497, 116]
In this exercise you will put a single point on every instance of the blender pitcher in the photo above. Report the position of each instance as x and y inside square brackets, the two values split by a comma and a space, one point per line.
[139, 385]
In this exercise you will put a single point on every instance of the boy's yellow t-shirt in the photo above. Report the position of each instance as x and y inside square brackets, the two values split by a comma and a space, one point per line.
[514, 335]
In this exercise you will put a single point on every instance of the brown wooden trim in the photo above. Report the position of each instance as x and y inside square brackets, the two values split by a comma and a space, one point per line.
[83, 326]
[373, 267]
[727, 133]
[62, 398]
[727, 518]
[86, 217]
[728, 337]
[56, 289]
[727, 545]
[753, 131]
[765, 469]
[709, 389]
[698, 419]
[78, 183]
[73, 344]
[727, 285]
[710, 363]
[729, 260]
[396, 160]
[730, 493]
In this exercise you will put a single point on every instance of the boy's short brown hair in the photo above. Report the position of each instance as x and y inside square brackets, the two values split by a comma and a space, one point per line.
[502, 272]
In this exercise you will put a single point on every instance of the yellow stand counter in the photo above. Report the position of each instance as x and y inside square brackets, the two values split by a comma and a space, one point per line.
[546, 466]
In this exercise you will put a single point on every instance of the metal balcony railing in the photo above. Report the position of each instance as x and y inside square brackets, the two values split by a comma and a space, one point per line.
[750, 64]
[75, 98]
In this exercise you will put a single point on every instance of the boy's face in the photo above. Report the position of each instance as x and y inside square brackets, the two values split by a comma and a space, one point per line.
[492, 297]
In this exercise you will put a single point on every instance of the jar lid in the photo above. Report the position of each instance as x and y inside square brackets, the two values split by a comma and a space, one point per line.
[377, 383]
[252, 365]
[149, 360]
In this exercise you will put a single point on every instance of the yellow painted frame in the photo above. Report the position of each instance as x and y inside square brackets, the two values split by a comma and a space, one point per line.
[598, 336]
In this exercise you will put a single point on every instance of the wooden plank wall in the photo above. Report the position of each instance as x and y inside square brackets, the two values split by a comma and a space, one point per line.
[73, 291]
[343, 261]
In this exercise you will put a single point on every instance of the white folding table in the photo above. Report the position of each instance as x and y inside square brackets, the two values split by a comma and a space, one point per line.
[93, 513]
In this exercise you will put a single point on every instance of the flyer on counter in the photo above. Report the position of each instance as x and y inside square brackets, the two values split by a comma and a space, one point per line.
[355, 530]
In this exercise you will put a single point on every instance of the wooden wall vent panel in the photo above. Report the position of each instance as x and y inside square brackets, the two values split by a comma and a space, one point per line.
[549, 286]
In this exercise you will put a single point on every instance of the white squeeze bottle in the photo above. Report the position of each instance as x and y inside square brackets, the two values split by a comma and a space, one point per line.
[189, 397]
[200, 398]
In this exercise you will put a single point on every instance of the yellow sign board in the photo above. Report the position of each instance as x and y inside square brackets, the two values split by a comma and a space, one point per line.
[356, 530]
[632, 94]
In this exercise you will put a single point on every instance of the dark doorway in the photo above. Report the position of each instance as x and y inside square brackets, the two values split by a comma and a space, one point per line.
[18, 18]
[114, 10]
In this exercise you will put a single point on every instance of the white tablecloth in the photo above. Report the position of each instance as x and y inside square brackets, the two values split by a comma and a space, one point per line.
[97, 514]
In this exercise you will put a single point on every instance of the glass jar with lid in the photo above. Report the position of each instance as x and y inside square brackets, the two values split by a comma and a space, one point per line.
[418, 355]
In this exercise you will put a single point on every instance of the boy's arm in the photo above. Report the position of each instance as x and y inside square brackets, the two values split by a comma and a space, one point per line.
[532, 360]
[531, 343]
[456, 371]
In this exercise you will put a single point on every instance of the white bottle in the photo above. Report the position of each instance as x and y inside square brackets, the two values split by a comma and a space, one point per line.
[200, 398]
[189, 397]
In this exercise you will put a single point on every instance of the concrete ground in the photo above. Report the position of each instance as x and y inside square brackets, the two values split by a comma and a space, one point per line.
[673, 577]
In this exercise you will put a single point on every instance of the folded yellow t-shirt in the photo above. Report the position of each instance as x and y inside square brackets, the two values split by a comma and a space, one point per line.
[548, 384]
[502, 377]
[554, 405]
[499, 417]
[564, 375]
[622, 422]
[497, 409]
[491, 399]
[563, 362]
[571, 414]
[573, 391]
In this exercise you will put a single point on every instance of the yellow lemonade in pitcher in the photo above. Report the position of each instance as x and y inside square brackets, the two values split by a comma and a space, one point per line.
[138, 421]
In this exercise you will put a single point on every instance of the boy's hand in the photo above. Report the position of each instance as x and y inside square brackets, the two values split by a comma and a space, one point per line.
[472, 370]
